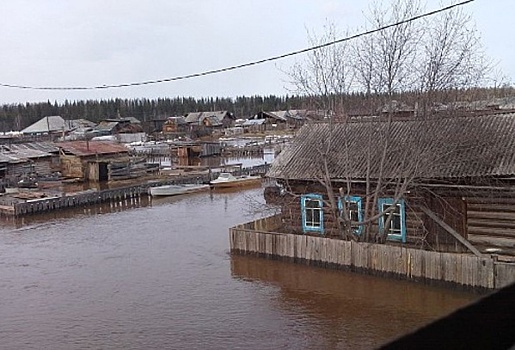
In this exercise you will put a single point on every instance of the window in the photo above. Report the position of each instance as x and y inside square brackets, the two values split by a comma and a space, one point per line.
[393, 220]
[312, 213]
[355, 212]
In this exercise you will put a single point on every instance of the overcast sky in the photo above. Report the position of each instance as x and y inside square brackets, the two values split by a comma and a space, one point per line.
[97, 42]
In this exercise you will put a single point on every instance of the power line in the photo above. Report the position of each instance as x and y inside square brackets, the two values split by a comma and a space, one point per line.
[243, 65]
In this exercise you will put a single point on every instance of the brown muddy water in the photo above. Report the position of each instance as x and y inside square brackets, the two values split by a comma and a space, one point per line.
[158, 275]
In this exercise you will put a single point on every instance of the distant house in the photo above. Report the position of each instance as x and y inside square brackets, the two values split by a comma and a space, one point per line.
[254, 125]
[175, 125]
[218, 119]
[282, 119]
[56, 125]
[98, 161]
[126, 129]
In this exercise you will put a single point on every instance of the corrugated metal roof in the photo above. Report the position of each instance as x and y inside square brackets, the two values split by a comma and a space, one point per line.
[48, 147]
[438, 148]
[86, 148]
[16, 153]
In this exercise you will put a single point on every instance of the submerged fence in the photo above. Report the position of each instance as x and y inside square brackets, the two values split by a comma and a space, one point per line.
[92, 197]
[382, 259]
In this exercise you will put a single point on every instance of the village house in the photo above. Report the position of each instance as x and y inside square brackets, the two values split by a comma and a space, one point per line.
[290, 119]
[124, 130]
[57, 126]
[438, 186]
[217, 119]
[175, 126]
[99, 161]
[20, 161]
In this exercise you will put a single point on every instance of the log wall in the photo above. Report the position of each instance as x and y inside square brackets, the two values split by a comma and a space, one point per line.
[382, 259]
[491, 222]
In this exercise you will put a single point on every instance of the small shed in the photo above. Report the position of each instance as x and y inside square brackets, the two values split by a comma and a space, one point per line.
[98, 161]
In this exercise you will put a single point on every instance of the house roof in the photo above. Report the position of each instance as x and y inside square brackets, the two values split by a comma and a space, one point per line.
[47, 124]
[87, 148]
[211, 120]
[56, 123]
[197, 117]
[251, 122]
[452, 147]
[21, 152]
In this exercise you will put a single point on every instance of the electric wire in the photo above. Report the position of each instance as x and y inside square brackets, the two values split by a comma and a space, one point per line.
[243, 65]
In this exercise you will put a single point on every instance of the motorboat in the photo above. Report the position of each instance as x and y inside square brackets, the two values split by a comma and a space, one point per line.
[228, 180]
[175, 190]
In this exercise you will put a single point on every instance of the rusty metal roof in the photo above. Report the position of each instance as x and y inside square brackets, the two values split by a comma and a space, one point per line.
[453, 147]
[87, 148]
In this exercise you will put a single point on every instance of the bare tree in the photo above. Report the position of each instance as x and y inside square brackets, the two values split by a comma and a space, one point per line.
[425, 59]
[385, 60]
[326, 75]
[451, 56]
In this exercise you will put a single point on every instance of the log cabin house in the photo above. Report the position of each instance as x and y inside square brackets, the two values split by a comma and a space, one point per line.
[443, 184]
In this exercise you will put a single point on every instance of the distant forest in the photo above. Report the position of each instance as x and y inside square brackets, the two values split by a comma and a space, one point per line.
[19, 116]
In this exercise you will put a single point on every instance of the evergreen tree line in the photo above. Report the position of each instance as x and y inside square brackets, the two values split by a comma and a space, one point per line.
[19, 116]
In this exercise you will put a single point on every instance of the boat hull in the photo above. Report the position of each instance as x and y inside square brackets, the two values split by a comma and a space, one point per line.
[249, 181]
[176, 190]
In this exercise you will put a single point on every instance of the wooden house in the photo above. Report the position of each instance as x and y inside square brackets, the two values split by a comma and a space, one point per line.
[440, 184]
[175, 125]
[23, 160]
[98, 161]
[117, 126]
[291, 119]
[217, 119]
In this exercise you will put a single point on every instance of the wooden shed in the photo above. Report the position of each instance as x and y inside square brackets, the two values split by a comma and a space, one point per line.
[98, 161]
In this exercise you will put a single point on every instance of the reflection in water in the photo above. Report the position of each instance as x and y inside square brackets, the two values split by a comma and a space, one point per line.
[347, 308]
[159, 276]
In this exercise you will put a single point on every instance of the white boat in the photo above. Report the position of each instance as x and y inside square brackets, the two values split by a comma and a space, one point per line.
[175, 190]
[226, 180]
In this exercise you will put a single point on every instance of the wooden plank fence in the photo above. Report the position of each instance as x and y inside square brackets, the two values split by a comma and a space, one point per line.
[395, 261]
[115, 195]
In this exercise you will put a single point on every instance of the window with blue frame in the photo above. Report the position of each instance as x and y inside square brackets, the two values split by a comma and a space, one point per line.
[393, 220]
[354, 211]
[312, 213]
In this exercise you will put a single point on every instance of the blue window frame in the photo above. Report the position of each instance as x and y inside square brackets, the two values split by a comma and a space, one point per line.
[397, 227]
[353, 205]
[312, 213]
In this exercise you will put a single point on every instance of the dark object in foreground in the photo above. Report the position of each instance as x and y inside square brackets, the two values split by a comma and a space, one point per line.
[486, 324]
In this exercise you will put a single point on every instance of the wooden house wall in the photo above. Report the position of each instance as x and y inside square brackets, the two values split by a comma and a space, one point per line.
[421, 231]
[92, 172]
[491, 221]
[46, 165]
[72, 166]
[486, 219]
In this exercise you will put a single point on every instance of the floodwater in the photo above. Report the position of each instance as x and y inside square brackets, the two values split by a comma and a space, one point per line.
[158, 275]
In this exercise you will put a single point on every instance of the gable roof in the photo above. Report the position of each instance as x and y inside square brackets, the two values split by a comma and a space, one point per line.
[452, 147]
[47, 125]
[56, 123]
[198, 117]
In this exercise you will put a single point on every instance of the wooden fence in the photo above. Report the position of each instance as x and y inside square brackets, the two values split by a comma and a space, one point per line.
[92, 197]
[382, 259]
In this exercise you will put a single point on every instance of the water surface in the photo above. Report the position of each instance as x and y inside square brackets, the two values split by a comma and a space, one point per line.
[157, 274]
